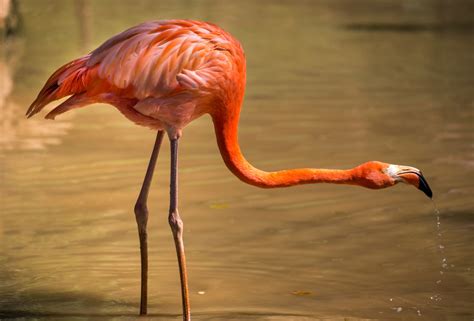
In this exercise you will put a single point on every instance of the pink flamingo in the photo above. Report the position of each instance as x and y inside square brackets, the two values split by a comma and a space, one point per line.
[163, 75]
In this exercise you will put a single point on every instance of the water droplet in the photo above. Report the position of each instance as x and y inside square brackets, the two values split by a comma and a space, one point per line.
[435, 297]
[435, 207]
[441, 249]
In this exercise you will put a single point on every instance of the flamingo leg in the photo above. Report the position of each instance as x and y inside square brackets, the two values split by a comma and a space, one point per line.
[141, 215]
[177, 228]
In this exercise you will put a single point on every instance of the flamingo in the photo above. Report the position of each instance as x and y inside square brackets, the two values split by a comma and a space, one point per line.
[164, 74]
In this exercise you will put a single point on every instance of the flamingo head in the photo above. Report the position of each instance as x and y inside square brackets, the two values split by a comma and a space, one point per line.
[378, 175]
[409, 175]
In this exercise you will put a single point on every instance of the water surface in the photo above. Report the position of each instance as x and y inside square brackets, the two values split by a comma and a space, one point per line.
[330, 84]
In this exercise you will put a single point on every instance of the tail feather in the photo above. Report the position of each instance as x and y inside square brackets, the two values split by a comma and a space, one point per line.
[67, 80]
[75, 101]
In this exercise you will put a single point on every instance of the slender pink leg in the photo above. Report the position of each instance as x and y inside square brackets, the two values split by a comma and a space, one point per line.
[141, 215]
[177, 227]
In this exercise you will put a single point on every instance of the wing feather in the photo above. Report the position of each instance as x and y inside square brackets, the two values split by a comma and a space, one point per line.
[157, 58]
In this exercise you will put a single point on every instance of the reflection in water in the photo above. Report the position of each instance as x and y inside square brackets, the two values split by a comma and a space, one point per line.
[83, 13]
[17, 132]
[9, 18]
[318, 95]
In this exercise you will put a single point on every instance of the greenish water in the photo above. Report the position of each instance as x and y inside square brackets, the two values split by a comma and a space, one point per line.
[330, 84]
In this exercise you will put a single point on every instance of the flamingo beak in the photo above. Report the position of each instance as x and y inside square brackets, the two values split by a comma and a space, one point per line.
[423, 186]
[414, 177]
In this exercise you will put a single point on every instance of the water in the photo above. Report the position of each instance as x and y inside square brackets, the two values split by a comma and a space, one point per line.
[441, 250]
[330, 84]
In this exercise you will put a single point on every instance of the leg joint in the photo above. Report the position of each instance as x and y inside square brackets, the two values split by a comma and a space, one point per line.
[140, 208]
[175, 221]
[141, 213]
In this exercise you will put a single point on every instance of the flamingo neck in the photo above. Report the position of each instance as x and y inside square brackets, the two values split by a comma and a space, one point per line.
[226, 129]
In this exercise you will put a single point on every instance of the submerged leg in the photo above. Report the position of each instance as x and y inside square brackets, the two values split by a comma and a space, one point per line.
[141, 215]
[177, 227]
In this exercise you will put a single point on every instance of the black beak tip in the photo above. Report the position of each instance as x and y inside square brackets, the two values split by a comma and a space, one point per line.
[424, 187]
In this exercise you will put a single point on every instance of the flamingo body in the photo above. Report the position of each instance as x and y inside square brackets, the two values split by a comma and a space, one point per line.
[164, 74]
[160, 74]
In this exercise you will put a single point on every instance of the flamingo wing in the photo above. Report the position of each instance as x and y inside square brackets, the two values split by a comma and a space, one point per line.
[154, 59]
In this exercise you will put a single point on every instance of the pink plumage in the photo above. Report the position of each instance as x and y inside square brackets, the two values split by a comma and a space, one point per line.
[146, 67]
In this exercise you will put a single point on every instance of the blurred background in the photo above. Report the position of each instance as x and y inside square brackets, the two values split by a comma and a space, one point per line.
[331, 83]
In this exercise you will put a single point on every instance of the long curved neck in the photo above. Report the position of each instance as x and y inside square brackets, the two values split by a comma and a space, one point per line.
[226, 128]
